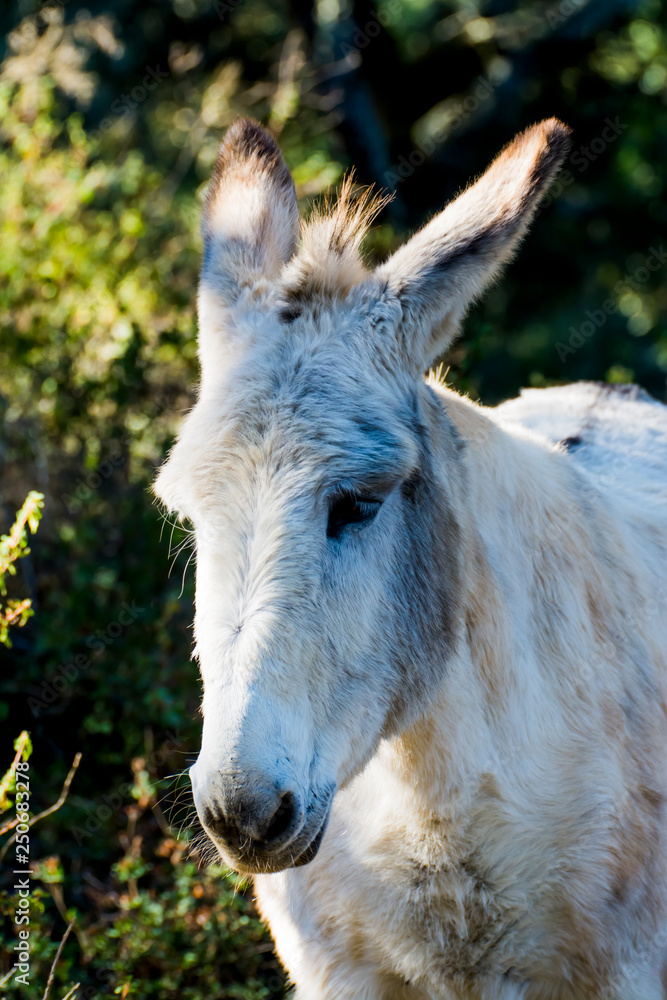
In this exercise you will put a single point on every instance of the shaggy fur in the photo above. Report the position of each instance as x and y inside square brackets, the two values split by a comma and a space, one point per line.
[435, 735]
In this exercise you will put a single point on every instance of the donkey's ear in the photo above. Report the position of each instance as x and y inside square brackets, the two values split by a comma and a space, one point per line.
[447, 264]
[250, 229]
[251, 219]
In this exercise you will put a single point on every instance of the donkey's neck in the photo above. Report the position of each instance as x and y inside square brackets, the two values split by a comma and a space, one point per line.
[530, 578]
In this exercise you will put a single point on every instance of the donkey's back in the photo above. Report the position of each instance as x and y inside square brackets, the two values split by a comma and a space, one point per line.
[618, 433]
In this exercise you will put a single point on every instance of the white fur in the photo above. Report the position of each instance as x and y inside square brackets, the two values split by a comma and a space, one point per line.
[479, 671]
[532, 780]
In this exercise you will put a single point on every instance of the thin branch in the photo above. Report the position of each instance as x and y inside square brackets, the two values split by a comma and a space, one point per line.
[52, 973]
[12, 613]
[46, 812]
[8, 554]
[5, 829]
[56, 891]
[68, 996]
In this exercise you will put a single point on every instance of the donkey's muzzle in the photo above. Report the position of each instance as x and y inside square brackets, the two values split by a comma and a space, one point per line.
[260, 829]
[261, 823]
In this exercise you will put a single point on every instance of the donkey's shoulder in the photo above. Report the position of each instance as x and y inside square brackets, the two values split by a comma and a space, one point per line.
[601, 425]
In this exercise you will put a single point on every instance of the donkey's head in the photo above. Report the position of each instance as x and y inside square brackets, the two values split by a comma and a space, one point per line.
[316, 471]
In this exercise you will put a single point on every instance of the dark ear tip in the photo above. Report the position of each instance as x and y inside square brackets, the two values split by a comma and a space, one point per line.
[248, 149]
[247, 146]
[554, 140]
[247, 139]
[557, 134]
[554, 125]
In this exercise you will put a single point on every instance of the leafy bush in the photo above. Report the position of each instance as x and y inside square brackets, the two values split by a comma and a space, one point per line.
[155, 923]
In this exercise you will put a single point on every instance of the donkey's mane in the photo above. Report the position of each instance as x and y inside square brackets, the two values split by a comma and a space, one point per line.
[329, 261]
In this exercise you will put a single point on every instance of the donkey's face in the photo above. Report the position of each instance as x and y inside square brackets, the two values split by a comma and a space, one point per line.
[314, 469]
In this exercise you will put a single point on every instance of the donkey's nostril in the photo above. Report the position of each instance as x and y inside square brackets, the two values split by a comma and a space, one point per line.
[282, 818]
[249, 823]
[217, 823]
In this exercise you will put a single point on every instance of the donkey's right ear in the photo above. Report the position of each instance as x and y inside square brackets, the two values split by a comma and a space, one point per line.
[250, 224]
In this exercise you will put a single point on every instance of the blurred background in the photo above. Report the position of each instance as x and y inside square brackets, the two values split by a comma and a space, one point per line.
[110, 115]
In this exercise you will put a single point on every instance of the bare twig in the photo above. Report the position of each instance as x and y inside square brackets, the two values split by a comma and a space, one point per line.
[52, 973]
[46, 812]
[12, 613]
[57, 894]
[68, 996]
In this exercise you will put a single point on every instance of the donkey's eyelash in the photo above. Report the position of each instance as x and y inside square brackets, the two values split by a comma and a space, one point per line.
[350, 510]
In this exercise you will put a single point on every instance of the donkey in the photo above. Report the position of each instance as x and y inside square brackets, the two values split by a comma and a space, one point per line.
[431, 635]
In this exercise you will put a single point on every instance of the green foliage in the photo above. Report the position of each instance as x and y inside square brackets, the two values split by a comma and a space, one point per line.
[23, 749]
[182, 934]
[109, 123]
[157, 921]
[12, 547]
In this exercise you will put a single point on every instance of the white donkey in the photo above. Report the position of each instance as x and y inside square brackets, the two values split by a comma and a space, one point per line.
[432, 636]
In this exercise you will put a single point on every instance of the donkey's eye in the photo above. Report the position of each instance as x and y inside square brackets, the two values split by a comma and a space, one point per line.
[349, 509]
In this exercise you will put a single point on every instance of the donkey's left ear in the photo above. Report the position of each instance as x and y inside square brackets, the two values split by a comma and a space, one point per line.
[452, 260]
